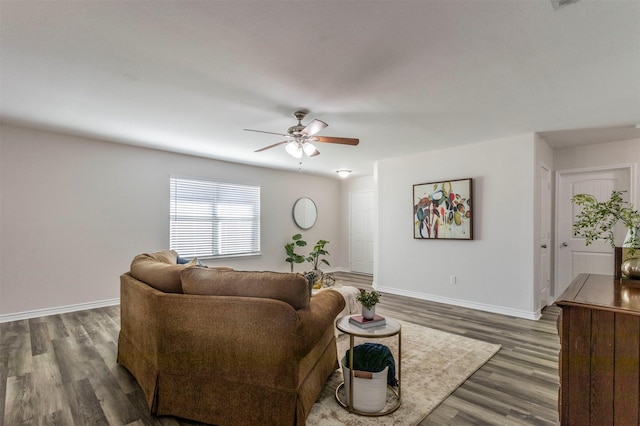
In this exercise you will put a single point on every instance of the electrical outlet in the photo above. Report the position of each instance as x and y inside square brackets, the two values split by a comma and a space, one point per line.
[452, 279]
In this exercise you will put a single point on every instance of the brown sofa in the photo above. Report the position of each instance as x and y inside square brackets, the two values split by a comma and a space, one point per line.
[225, 347]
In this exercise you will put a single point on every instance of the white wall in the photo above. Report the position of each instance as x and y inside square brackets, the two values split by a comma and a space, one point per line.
[75, 211]
[494, 271]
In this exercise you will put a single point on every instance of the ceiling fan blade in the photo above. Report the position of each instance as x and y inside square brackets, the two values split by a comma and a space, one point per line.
[343, 141]
[270, 146]
[314, 127]
[262, 131]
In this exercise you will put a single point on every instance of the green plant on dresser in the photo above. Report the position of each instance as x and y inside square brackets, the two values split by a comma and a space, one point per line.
[597, 219]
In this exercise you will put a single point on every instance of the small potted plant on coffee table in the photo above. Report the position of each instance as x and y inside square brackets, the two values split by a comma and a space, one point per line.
[368, 299]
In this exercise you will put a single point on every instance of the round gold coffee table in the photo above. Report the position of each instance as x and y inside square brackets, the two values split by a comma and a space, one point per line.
[391, 328]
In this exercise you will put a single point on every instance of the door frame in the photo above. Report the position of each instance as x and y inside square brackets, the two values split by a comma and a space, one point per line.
[543, 168]
[630, 167]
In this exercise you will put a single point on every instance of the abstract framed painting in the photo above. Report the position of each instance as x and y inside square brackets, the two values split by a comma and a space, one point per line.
[442, 210]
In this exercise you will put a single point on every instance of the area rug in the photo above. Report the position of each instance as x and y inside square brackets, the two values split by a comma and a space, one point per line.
[434, 364]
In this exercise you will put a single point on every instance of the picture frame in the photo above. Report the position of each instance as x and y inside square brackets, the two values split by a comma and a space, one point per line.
[442, 210]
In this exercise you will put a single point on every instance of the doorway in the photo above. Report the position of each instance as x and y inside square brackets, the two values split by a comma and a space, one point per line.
[361, 232]
[573, 257]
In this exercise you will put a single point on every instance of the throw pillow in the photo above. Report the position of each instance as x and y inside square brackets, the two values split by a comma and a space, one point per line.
[184, 261]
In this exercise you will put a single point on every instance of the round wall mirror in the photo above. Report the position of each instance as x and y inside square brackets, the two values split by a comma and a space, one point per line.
[305, 213]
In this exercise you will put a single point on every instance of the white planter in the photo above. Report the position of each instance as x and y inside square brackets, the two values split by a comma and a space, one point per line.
[369, 313]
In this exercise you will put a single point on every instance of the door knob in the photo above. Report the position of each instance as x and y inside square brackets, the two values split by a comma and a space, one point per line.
[544, 246]
[564, 244]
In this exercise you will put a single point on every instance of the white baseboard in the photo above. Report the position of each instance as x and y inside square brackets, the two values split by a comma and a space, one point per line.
[337, 269]
[462, 303]
[347, 270]
[58, 310]
[447, 300]
[82, 306]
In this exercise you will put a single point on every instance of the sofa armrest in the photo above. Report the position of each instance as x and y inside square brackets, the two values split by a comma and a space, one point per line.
[137, 319]
[314, 320]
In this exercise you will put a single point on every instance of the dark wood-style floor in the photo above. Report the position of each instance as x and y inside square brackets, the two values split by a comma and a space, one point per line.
[62, 370]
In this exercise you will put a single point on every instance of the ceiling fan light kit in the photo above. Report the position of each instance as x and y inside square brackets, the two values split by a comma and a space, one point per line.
[309, 149]
[294, 149]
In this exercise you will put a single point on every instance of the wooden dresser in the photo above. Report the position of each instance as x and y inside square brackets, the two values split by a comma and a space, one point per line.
[599, 331]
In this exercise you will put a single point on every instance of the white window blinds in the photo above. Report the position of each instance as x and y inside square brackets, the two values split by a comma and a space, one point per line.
[210, 219]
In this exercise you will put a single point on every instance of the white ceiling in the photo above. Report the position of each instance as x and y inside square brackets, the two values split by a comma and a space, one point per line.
[403, 76]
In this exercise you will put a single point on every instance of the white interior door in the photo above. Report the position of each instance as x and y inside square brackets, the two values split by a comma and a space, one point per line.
[544, 277]
[573, 256]
[362, 232]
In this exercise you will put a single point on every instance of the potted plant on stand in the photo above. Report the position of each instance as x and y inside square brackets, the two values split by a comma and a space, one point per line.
[597, 220]
[368, 299]
[315, 259]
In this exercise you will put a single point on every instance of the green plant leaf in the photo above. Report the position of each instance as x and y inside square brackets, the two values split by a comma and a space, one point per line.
[596, 220]
[292, 256]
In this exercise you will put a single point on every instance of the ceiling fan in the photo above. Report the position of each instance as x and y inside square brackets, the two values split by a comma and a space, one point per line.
[299, 138]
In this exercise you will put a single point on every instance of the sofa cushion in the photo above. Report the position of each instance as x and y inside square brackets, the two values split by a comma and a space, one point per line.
[289, 288]
[160, 270]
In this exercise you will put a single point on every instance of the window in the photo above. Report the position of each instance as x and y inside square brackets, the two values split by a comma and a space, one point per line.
[210, 219]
